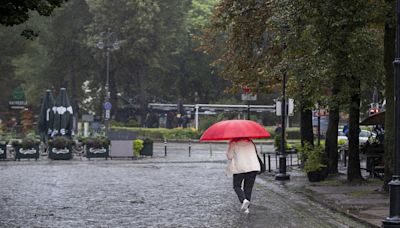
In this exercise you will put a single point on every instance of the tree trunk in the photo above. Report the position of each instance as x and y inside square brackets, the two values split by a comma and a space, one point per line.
[331, 144]
[306, 128]
[353, 169]
[143, 95]
[389, 52]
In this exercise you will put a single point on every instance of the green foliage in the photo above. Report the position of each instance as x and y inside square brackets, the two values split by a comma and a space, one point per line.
[163, 133]
[26, 143]
[60, 142]
[157, 59]
[17, 12]
[138, 145]
[312, 158]
[147, 140]
[277, 143]
[342, 142]
[207, 121]
[97, 142]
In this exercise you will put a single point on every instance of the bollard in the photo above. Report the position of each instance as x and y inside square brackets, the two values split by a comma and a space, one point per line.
[265, 164]
[165, 147]
[210, 150]
[190, 147]
[269, 163]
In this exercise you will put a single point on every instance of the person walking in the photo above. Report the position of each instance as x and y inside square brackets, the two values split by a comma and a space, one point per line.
[244, 165]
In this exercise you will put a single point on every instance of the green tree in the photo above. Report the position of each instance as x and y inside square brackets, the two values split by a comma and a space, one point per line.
[11, 46]
[17, 12]
[59, 57]
[319, 45]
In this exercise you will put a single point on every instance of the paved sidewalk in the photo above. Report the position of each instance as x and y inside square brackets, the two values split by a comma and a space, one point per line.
[364, 201]
[139, 193]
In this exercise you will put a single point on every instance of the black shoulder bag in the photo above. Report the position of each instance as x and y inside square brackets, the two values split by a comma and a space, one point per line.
[262, 166]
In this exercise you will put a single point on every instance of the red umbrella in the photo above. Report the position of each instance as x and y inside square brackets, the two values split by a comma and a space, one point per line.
[229, 129]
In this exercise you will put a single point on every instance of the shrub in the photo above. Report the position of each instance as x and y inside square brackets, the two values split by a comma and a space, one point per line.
[97, 142]
[277, 143]
[138, 145]
[147, 140]
[163, 133]
[313, 158]
[26, 143]
[342, 142]
[291, 132]
[60, 142]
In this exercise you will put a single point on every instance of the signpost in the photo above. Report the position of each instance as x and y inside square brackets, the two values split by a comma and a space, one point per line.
[107, 106]
[247, 96]
[17, 100]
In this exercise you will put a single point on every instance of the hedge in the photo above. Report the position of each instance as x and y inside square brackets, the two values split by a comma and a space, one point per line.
[191, 133]
[291, 132]
[164, 133]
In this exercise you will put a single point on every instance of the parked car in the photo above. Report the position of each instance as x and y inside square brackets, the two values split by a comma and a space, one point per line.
[363, 136]
[323, 125]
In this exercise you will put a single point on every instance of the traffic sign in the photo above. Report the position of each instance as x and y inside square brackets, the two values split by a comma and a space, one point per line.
[107, 117]
[248, 97]
[107, 105]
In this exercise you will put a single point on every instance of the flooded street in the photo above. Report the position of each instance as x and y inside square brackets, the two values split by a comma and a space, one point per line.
[177, 191]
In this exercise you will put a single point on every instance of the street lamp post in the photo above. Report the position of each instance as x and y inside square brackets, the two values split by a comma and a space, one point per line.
[248, 110]
[394, 185]
[109, 43]
[282, 175]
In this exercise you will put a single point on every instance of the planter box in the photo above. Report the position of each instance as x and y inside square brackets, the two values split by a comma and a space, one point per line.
[3, 151]
[121, 143]
[60, 154]
[147, 149]
[28, 153]
[97, 152]
[315, 176]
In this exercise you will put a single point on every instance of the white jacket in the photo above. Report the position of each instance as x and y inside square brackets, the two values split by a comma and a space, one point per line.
[242, 157]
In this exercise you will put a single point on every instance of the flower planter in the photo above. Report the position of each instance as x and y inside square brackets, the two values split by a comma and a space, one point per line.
[26, 153]
[147, 149]
[3, 150]
[92, 152]
[60, 154]
[315, 176]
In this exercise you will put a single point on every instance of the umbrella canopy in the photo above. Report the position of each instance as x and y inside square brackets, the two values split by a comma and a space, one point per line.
[375, 119]
[46, 116]
[229, 129]
[62, 111]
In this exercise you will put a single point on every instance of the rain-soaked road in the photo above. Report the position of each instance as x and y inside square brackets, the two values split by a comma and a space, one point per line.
[177, 191]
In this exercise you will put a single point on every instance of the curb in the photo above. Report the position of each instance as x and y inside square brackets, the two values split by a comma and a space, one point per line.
[323, 201]
[332, 206]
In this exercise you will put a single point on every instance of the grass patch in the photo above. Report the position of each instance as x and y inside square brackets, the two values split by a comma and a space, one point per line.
[360, 193]
[375, 181]
[331, 183]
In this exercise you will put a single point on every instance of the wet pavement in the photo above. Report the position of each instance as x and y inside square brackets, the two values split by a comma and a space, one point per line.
[172, 191]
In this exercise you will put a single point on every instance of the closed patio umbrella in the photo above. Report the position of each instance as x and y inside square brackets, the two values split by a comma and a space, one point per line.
[46, 116]
[62, 115]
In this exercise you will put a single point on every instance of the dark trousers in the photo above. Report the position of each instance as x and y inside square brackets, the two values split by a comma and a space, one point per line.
[248, 179]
